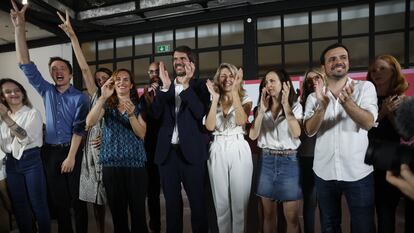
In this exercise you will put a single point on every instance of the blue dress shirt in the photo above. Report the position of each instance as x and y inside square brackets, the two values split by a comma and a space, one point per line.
[65, 112]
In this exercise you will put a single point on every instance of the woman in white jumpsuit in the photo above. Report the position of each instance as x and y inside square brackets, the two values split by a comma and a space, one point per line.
[230, 165]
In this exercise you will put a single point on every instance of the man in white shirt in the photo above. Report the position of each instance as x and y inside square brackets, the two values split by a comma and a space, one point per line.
[341, 115]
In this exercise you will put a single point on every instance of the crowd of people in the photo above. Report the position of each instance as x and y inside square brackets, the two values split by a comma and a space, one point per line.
[117, 149]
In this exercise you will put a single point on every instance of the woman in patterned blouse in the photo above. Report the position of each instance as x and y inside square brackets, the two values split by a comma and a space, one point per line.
[122, 151]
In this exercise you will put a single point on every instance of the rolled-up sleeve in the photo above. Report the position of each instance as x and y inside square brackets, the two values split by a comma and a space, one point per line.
[35, 78]
[369, 100]
[79, 122]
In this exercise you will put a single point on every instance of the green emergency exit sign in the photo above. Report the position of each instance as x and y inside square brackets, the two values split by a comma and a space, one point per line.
[163, 48]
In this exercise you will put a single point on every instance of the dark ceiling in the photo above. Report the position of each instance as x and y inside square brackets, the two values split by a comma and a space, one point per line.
[99, 19]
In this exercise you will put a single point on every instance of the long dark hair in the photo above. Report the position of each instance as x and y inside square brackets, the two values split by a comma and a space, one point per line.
[283, 77]
[104, 70]
[20, 86]
[113, 101]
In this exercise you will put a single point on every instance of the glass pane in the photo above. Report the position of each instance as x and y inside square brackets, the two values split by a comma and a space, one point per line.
[185, 36]
[325, 23]
[412, 14]
[107, 65]
[389, 15]
[392, 44]
[268, 29]
[168, 63]
[297, 57]
[296, 26]
[164, 42]
[208, 36]
[89, 51]
[208, 64]
[317, 49]
[234, 56]
[143, 44]
[124, 46]
[358, 51]
[106, 49]
[232, 33]
[124, 65]
[268, 57]
[412, 47]
[355, 19]
[140, 71]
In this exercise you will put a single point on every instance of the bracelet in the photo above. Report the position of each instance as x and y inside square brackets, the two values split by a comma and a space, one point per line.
[131, 115]
[11, 125]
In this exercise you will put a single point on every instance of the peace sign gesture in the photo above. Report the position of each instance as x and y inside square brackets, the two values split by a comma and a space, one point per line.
[66, 26]
[18, 16]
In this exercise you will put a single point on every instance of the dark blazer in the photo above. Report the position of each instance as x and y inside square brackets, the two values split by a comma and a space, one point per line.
[192, 134]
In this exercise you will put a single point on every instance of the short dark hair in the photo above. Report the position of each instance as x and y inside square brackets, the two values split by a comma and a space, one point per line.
[20, 86]
[52, 59]
[332, 46]
[187, 50]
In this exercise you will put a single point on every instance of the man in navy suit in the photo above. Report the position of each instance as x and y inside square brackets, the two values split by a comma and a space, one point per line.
[181, 151]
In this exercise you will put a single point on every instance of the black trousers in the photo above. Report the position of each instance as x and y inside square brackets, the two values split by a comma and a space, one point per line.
[126, 188]
[387, 198]
[154, 196]
[174, 171]
[64, 189]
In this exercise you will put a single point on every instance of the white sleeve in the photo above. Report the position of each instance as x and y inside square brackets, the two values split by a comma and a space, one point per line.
[33, 125]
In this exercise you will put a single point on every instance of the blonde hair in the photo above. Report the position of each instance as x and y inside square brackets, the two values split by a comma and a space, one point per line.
[233, 70]
[306, 91]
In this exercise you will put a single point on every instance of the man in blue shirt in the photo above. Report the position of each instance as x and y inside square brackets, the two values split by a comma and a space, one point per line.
[66, 110]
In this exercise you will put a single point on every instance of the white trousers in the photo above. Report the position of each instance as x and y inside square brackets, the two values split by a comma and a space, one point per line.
[230, 169]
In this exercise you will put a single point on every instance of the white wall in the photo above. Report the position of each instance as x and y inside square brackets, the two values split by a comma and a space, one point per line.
[40, 56]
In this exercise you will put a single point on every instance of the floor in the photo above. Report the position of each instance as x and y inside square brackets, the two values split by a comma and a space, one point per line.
[252, 224]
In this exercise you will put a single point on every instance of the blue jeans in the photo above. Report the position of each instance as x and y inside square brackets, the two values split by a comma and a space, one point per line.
[27, 186]
[360, 199]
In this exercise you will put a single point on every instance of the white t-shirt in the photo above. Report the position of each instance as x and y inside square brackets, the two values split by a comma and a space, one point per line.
[274, 134]
[341, 144]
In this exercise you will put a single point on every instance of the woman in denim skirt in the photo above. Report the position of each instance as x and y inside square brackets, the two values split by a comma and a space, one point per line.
[277, 129]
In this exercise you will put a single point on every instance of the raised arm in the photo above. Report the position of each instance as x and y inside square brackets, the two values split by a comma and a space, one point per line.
[257, 123]
[242, 111]
[19, 22]
[66, 26]
[293, 123]
[97, 110]
[211, 116]
[362, 115]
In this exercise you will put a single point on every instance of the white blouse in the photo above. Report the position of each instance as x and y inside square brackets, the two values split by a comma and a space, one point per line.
[30, 120]
[226, 125]
[275, 135]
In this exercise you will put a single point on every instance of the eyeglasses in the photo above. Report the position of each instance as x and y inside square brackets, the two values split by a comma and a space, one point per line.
[153, 71]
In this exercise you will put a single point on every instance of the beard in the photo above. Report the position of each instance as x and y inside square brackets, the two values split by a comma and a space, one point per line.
[338, 74]
[180, 73]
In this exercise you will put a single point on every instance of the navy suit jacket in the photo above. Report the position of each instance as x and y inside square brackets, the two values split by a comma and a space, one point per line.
[192, 134]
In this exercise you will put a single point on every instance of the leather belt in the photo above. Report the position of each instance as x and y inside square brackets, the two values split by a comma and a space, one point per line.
[63, 145]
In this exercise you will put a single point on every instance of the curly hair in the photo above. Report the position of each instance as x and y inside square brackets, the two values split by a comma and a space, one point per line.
[399, 84]
[233, 70]
[113, 101]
